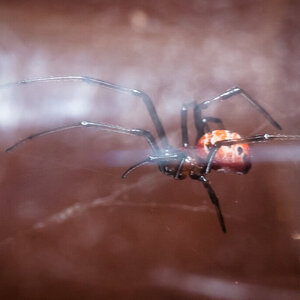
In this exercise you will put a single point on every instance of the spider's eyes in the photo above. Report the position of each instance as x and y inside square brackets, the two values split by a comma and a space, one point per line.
[240, 150]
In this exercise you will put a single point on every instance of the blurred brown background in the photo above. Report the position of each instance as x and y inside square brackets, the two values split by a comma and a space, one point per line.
[70, 227]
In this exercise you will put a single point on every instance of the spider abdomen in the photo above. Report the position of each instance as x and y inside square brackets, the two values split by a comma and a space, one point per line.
[228, 159]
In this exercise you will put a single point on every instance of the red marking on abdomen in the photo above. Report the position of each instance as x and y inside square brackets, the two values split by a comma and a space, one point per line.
[230, 159]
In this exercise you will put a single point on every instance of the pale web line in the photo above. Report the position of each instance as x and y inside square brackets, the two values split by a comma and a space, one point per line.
[109, 201]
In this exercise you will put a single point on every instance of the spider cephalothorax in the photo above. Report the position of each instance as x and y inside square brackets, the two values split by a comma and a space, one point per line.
[221, 150]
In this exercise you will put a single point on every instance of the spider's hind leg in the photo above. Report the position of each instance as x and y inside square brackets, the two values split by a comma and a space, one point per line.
[137, 93]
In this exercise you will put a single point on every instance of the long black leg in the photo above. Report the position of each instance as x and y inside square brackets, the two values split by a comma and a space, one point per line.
[203, 127]
[214, 199]
[183, 116]
[247, 140]
[201, 123]
[224, 96]
[139, 132]
[146, 99]
[218, 121]
[184, 131]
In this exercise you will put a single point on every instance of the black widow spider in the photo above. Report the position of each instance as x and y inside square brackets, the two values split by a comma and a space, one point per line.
[221, 150]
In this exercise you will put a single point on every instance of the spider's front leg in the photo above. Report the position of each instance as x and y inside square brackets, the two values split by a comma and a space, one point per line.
[105, 84]
[102, 126]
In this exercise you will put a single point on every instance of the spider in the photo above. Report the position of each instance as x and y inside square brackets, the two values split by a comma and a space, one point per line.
[221, 150]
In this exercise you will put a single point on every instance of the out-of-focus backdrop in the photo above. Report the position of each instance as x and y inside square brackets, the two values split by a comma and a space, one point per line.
[70, 226]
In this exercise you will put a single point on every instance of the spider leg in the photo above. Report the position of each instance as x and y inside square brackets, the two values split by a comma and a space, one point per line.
[213, 120]
[202, 126]
[201, 123]
[108, 127]
[247, 140]
[183, 117]
[184, 131]
[214, 199]
[224, 96]
[140, 94]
